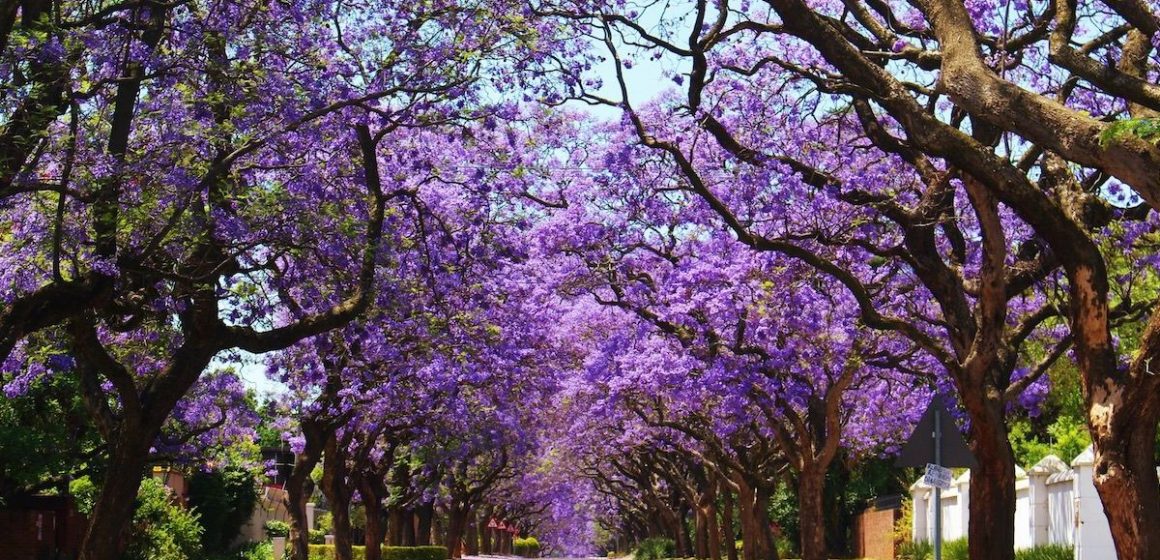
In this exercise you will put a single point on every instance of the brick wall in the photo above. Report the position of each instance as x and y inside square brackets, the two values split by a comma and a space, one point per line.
[874, 533]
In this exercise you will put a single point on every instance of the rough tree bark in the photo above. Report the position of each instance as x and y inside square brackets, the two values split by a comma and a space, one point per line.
[757, 539]
[727, 533]
[812, 513]
[457, 516]
[299, 486]
[425, 517]
[113, 511]
[1123, 410]
[992, 483]
[472, 537]
[338, 494]
[373, 490]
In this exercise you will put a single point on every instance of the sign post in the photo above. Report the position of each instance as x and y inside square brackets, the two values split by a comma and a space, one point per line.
[928, 447]
[937, 489]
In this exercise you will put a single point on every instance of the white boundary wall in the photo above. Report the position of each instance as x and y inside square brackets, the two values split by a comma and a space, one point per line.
[1054, 504]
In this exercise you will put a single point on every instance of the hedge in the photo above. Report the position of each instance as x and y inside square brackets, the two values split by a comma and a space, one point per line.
[326, 552]
[1046, 552]
[656, 548]
[957, 550]
[528, 548]
[923, 550]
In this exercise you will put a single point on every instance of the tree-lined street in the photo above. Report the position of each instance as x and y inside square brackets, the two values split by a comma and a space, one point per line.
[569, 277]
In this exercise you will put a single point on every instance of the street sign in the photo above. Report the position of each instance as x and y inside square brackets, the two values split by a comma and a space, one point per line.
[937, 476]
[919, 448]
[937, 444]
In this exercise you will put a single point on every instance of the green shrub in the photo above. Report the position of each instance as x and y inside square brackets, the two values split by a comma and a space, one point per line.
[84, 493]
[528, 548]
[923, 550]
[786, 548]
[249, 551]
[902, 525]
[326, 552]
[657, 548]
[224, 501]
[162, 530]
[956, 550]
[911, 550]
[325, 522]
[415, 553]
[255, 551]
[317, 536]
[277, 529]
[1046, 552]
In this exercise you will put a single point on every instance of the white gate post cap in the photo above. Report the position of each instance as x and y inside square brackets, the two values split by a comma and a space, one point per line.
[1085, 459]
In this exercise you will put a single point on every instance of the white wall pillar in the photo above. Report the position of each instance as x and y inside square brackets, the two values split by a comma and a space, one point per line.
[310, 516]
[279, 548]
[963, 485]
[1037, 491]
[1093, 537]
[920, 502]
[1040, 507]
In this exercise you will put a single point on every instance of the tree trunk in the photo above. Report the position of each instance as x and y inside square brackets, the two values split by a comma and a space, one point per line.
[727, 531]
[297, 493]
[764, 524]
[1125, 476]
[485, 534]
[749, 534]
[839, 521]
[113, 511]
[700, 533]
[684, 547]
[298, 488]
[753, 505]
[409, 526]
[991, 529]
[375, 532]
[472, 538]
[334, 486]
[438, 532]
[425, 515]
[713, 528]
[1122, 419]
[396, 525]
[340, 517]
[812, 512]
[456, 528]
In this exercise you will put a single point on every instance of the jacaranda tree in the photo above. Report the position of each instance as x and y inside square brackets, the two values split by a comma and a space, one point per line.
[186, 179]
[1019, 127]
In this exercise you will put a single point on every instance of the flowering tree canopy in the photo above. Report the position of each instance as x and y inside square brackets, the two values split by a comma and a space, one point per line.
[485, 305]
